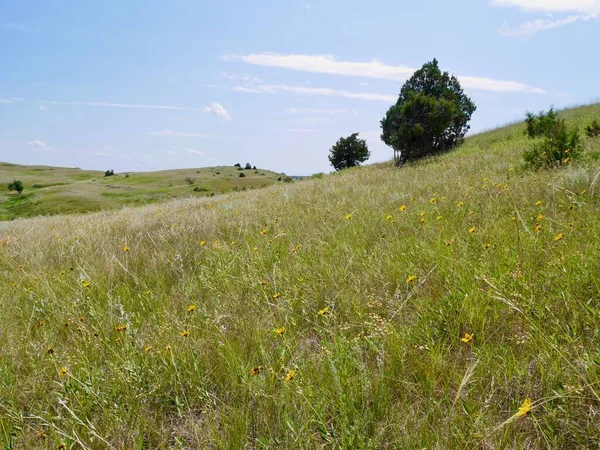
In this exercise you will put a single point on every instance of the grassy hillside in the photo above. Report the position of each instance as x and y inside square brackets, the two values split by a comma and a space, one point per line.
[375, 308]
[56, 190]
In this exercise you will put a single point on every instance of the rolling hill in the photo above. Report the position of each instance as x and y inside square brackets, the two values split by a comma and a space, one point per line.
[450, 304]
[56, 190]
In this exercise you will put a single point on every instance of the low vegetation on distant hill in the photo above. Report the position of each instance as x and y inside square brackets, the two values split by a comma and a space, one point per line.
[453, 304]
[55, 190]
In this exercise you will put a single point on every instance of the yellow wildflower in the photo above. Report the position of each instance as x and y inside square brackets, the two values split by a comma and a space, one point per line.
[524, 408]
[459, 204]
[263, 232]
[540, 218]
[439, 218]
[279, 331]
[432, 200]
[448, 243]
[184, 333]
[202, 243]
[537, 228]
[63, 372]
[323, 311]
[125, 248]
[388, 217]
[290, 375]
[255, 371]
[348, 216]
[472, 230]
[402, 208]
[411, 278]
[192, 308]
[486, 245]
[147, 348]
[86, 283]
[120, 328]
[40, 324]
[559, 237]
[276, 295]
[61, 273]
[468, 338]
[538, 203]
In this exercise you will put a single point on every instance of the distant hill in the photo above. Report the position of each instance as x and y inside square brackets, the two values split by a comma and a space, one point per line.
[58, 190]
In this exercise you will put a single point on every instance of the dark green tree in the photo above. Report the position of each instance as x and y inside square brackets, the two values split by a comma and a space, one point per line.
[349, 152]
[431, 115]
[16, 185]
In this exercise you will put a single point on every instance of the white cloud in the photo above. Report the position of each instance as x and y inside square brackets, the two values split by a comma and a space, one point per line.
[17, 27]
[579, 10]
[274, 88]
[40, 145]
[216, 109]
[330, 111]
[532, 27]
[101, 154]
[171, 153]
[301, 130]
[327, 64]
[245, 77]
[179, 134]
[11, 100]
[36, 143]
[583, 7]
[191, 151]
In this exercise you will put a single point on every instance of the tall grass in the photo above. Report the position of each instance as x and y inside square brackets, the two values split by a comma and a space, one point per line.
[141, 328]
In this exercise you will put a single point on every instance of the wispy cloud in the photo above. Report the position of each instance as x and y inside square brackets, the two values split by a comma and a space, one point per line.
[191, 151]
[327, 111]
[327, 64]
[301, 130]
[303, 90]
[245, 77]
[40, 145]
[180, 134]
[18, 27]
[585, 7]
[216, 109]
[527, 29]
[578, 10]
[8, 101]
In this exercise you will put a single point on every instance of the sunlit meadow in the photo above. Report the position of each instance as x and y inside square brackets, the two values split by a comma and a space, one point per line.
[451, 304]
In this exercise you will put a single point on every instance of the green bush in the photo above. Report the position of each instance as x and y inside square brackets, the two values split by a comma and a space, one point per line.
[593, 130]
[556, 144]
[16, 185]
[542, 124]
[109, 173]
[242, 175]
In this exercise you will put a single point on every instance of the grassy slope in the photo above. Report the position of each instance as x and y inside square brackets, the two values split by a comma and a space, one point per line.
[65, 190]
[384, 367]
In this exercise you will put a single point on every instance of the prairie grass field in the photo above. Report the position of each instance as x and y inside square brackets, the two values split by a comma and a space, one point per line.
[375, 308]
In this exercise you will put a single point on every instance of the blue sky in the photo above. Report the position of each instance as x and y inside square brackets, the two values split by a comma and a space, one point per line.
[136, 85]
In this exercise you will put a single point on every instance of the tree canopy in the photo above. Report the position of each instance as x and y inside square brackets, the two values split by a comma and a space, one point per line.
[431, 115]
[16, 185]
[349, 152]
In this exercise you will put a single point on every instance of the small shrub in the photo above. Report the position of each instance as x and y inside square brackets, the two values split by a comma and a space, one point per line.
[237, 165]
[109, 173]
[37, 186]
[279, 179]
[556, 145]
[248, 167]
[218, 173]
[16, 185]
[593, 130]
[126, 175]
[200, 189]
[542, 124]
[253, 167]
[189, 180]
[242, 175]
